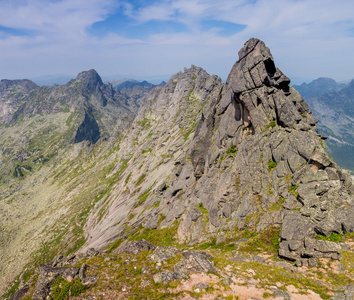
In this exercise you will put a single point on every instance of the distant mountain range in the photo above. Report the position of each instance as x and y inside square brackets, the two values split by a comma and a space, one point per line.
[333, 104]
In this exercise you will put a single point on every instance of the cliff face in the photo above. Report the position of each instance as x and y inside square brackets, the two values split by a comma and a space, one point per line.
[202, 158]
[247, 151]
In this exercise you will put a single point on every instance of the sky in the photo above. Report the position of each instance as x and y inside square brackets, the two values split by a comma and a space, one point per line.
[154, 39]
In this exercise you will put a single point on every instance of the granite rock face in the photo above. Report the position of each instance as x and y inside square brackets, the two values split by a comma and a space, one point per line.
[255, 147]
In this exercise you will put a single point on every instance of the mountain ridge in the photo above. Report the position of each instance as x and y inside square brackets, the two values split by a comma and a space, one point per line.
[202, 159]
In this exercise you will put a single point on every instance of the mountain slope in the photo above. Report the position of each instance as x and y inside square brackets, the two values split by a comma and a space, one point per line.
[332, 104]
[46, 132]
[202, 161]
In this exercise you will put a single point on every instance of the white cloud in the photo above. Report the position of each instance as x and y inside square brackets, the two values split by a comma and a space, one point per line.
[309, 38]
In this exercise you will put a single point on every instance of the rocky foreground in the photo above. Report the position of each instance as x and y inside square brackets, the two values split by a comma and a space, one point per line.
[247, 268]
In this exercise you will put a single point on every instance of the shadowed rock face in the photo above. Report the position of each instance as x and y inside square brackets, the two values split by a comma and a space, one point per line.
[88, 130]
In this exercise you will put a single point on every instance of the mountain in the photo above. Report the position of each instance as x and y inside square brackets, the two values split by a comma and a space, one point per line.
[207, 189]
[332, 104]
[121, 83]
[319, 87]
[134, 91]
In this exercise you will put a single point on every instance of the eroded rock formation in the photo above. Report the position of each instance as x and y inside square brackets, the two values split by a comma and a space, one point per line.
[256, 160]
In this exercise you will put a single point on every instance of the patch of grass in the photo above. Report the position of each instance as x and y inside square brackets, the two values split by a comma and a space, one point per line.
[202, 209]
[187, 133]
[115, 245]
[62, 289]
[142, 198]
[334, 237]
[293, 190]
[232, 149]
[223, 246]
[270, 125]
[275, 207]
[163, 237]
[140, 179]
[271, 165]
[149, 150]
[127, 178]
[13, 287]
[263, 241]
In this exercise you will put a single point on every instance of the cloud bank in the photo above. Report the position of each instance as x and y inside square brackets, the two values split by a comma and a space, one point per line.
[308, 39]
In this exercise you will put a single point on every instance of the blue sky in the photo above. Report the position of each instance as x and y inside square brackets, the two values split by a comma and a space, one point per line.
[155, 39]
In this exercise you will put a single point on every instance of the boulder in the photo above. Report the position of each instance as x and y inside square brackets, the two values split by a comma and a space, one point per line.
[47, 275]
[161, 253]
[136, 247]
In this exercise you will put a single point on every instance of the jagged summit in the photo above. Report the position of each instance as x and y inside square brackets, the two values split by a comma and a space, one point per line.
[255, 146]
[90, 80]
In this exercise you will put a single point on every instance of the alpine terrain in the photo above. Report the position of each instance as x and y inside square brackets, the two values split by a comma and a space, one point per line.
[332, 104]
[203, 190]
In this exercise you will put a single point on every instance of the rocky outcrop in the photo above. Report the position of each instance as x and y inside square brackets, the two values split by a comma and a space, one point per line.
[136, 247]
[255, 160]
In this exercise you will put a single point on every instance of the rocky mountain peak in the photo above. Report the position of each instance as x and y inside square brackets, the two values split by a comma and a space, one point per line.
[26, 84]
[89, 80]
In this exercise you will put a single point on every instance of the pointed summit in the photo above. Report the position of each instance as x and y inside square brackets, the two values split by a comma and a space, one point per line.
[90, 80]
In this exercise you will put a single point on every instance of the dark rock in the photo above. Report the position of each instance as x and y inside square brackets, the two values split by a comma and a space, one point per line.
[259, 259]
[20, 293]
[348, 222]
[194, 261]
[161, 253]
[82, 272]
[88, 130]
[227, 280]
[282, 294]
[347, 294]
[245, 259]
[166, 277]
[47, 275]
[90, 280]
[201, 285]
[91, 253]
[136, 247]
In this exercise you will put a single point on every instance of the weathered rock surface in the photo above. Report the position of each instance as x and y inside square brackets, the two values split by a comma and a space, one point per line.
[193, 262]
[161, 253]
[137, 246]
[47, 275]
[255, 147]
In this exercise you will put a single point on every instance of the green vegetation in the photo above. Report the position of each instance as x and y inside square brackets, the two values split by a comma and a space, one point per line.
[334, 237]
[115, 245]
[270, 125]
[149, 150]
[293, 190]
[140, 179]
[232, 149]
[127, 178]
[142, 198]
[163, 237]
[63, 289]
[271, 165]
[266, 241]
